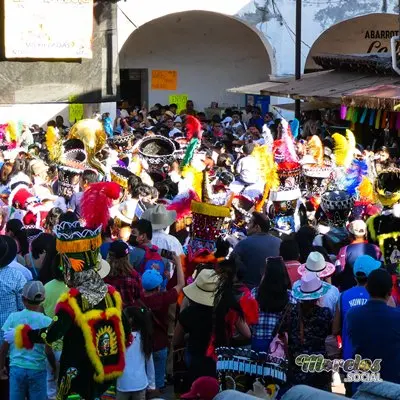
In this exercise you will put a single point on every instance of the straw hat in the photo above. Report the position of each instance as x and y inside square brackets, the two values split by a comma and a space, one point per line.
[316, 263]
[310, 287]
[202, 290]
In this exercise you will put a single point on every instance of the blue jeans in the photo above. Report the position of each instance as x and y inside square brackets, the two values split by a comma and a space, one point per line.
[25, 381]
[160, 365]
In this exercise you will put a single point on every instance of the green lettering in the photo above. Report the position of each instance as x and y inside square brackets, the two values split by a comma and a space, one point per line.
[376, 365]
[348, 365]
[300, 359]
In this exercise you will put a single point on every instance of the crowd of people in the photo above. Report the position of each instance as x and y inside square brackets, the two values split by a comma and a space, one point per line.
[165, 249]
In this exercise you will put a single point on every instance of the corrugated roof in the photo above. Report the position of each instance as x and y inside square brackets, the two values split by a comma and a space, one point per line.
[351, 88]
[255, 88]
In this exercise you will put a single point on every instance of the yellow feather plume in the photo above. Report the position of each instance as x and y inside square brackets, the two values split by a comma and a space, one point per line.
[52, 144]
[366, 190]
[316, 149]
[340, 149]
[268, 172]
[195, 177]
[12, 131]
[351, 147]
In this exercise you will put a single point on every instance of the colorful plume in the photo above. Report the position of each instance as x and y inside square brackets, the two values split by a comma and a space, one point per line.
[52, 144]
[354, 176]
[316, 149]
[193, 128]
[96, 203]
[340, 149]
[12, 131]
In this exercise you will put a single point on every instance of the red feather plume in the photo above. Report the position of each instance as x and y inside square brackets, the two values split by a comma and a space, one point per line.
[96, 203]
[193, 128]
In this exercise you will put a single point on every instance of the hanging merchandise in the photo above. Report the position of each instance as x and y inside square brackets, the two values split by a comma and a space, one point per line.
[384, 119]
[378, 119]
[364, 115]
[372, 118]
[343, 111]
[349, 113]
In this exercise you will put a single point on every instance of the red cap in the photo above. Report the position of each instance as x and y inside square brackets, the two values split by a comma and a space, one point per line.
[204, 388]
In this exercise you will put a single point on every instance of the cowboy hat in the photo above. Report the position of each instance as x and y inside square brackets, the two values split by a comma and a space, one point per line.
[103, 268]
[202, 290]
[126, 211]
[8, 250]
[159, 217]
[316, 263]
[310, 287]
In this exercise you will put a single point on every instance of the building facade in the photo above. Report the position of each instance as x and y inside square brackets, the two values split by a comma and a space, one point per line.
[214, 45]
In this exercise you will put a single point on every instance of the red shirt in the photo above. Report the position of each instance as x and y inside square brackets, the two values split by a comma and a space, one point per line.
[130, 287]
[159, 303]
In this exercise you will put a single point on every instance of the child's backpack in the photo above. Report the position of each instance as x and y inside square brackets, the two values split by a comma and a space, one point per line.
[153, 260]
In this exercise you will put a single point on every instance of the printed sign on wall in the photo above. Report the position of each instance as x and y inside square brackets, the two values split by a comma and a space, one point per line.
[48, 28]
[163, 80]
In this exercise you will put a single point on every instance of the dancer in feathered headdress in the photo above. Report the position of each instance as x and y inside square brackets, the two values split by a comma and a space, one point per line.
[53, 144]
[89, 315]
[285, 208]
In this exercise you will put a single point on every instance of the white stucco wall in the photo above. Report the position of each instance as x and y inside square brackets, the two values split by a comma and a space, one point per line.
[210, 53]
[274, 19]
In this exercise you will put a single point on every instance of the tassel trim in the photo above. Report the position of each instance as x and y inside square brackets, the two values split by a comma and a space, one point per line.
[78, 246]
[22, 340]
[210, 210]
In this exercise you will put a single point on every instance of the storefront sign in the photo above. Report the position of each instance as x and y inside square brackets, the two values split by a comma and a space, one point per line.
[163, 80]
[180, 100]
[48, 28]
[367, 34]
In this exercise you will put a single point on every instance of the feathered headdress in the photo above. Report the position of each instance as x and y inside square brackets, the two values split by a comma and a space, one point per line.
[53, 144]
[344, 148]
[12, 131]
[366, 190]
[181, 204]
[284, 149]
[295, 127]
[96, 203]
[189, 153]
[354, 176]
[268, 172]
[193, 128]
[316, 149]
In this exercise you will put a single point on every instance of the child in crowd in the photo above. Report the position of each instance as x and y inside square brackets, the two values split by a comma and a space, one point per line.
[139, 373]
[28, 372]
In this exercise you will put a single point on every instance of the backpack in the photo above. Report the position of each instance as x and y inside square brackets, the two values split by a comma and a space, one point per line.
[153, 260]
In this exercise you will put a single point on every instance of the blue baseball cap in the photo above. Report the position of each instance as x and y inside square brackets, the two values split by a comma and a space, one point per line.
[365, 264]
[151, 279]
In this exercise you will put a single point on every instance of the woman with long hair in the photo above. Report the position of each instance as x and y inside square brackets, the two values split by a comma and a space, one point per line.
[234, 309]
[43, 251]
[138, 376]
[308, 325]
[122, 275]
[273, 297]
[52, 219]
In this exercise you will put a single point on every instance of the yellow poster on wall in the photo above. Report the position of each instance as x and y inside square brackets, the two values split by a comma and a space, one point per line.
[76, 111]
[180, 100]
[164, 80]
[48, 28]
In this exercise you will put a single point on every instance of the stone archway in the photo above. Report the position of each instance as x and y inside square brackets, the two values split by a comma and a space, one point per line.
[211, 52]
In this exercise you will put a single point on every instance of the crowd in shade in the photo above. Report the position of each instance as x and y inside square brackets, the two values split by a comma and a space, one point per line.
[165, 252]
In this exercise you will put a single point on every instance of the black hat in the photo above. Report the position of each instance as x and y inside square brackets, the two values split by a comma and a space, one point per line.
[8, 250]
[118, 249]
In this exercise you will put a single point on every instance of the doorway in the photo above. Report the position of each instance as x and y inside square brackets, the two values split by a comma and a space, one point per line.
[134, 86]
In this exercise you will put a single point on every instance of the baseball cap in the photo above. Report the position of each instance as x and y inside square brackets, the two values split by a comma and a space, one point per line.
[358, 227]
[204, 388]
[118, 249]
[33, 291]
[365, 265]
[151, 279]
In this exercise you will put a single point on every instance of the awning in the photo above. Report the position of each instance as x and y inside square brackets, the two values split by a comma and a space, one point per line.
[351, 88]
[255, 88]
[304, 105]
